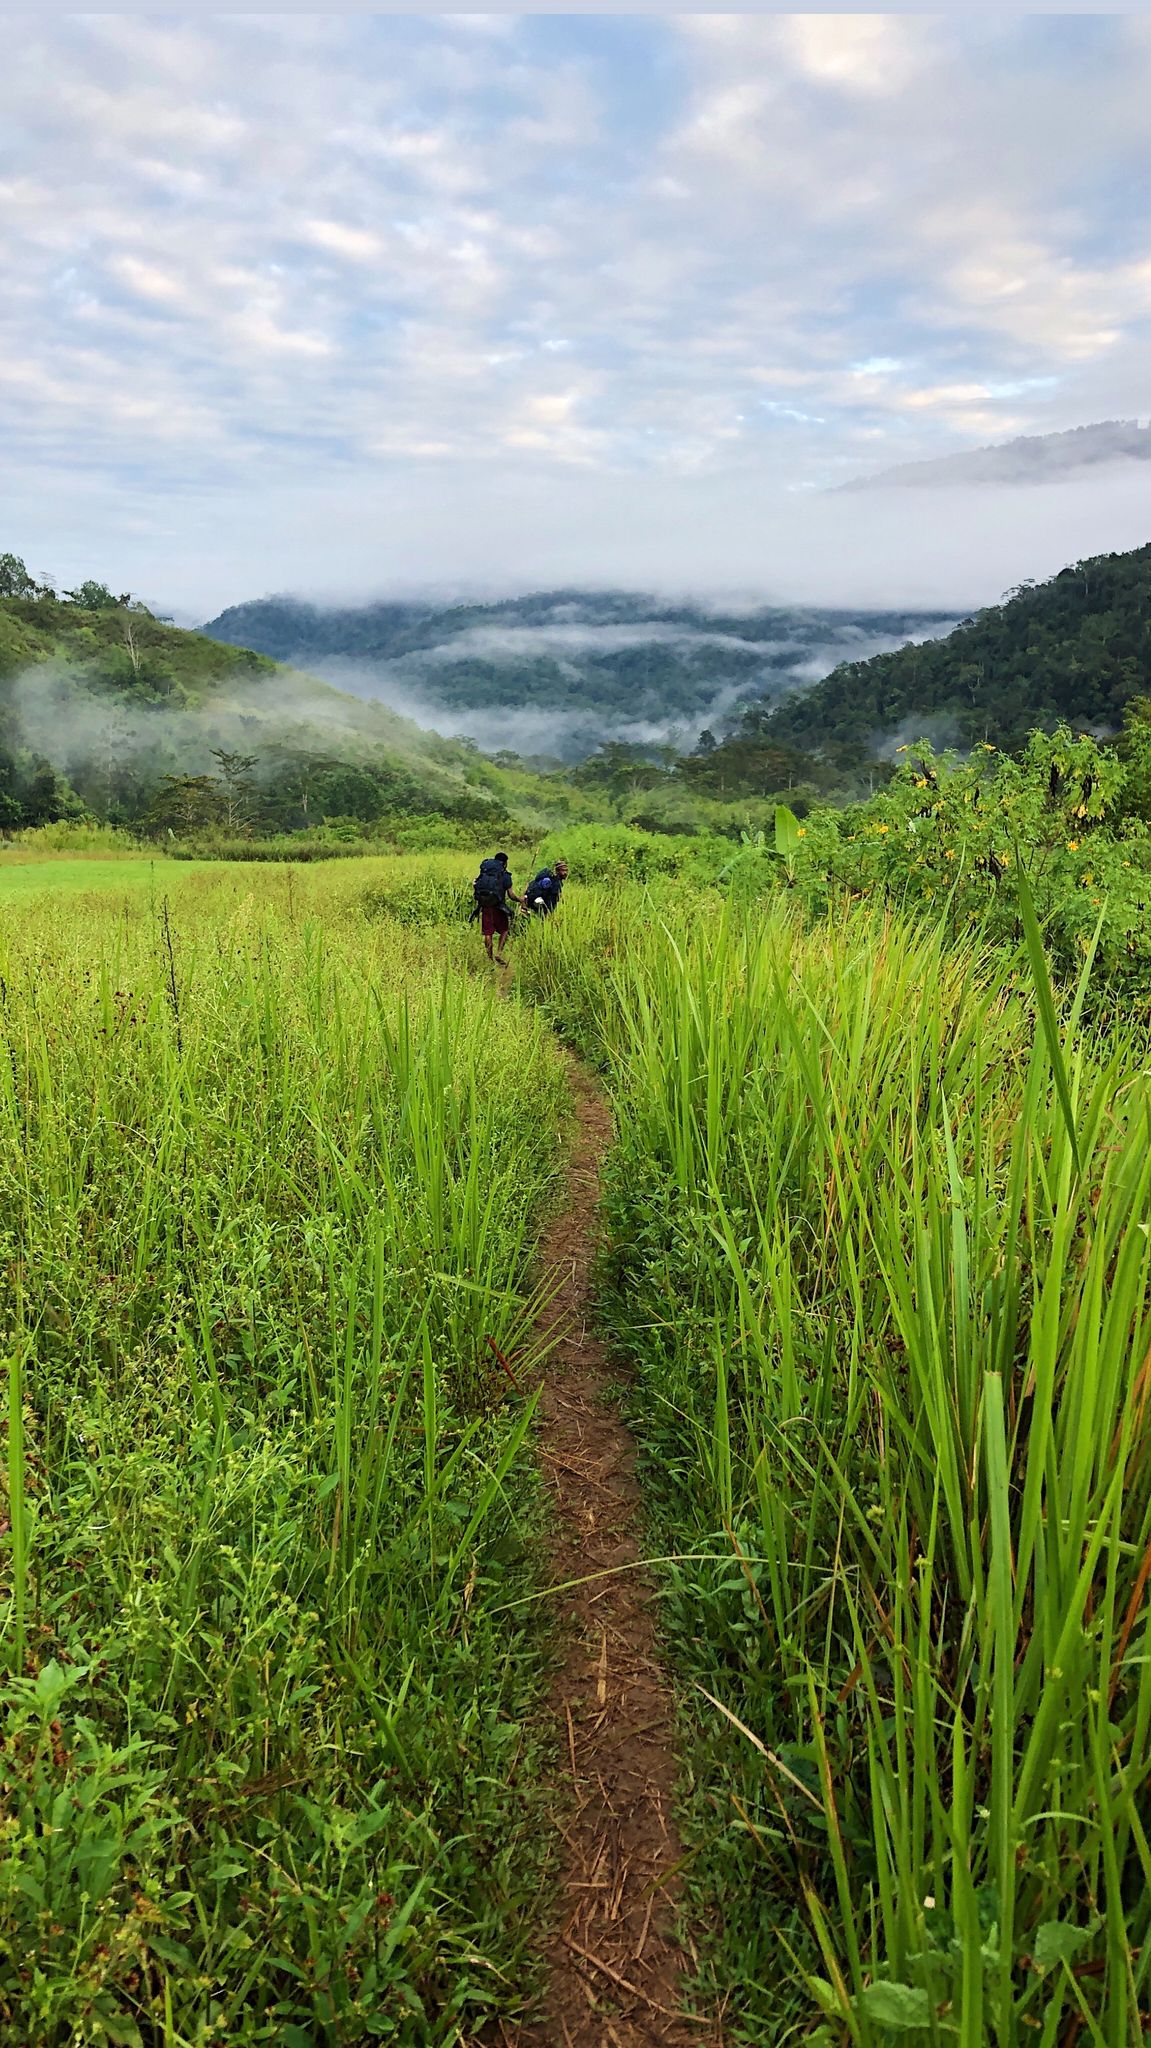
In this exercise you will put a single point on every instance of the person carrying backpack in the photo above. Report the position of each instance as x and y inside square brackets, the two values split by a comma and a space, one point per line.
[543, 894]
[492, 892]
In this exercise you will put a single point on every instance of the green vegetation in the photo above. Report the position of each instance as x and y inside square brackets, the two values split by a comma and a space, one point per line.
[877, 1262]
[957, 835]
[51, 875]
[879, 1259]
[268, 1192]
[106, 711]
[1075, 649]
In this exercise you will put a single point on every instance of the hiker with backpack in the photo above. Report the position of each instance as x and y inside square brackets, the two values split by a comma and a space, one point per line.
[543, 894]
[492, 892]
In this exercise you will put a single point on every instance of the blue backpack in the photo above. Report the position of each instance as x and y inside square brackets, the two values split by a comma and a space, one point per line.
[544, 889]
[490, 885]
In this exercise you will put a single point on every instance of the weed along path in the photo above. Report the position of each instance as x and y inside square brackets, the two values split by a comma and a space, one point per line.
[614, 1963]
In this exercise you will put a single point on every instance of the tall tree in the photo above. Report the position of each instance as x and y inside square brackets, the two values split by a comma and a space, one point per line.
[239, 796]
[15, 580]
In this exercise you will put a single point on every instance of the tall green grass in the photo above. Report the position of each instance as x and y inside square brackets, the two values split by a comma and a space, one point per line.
[269, 1179]
[880, 1216]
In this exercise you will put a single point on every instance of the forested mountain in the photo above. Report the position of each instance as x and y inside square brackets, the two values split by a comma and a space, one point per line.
[105, 708]
[560, 672]
[1030, 459]
[1073, 649]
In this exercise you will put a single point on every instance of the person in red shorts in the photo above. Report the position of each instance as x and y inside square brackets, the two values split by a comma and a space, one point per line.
[492, 891]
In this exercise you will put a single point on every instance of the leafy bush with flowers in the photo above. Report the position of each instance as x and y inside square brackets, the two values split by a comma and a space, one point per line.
[953, 831]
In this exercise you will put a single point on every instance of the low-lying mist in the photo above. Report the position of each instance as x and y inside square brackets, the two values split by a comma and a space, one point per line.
[58, 715]
[519, 711]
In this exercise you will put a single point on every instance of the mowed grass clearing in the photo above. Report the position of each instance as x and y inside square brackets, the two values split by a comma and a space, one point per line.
[24, 875]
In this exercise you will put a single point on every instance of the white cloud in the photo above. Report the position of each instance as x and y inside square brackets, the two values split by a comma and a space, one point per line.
[357, 245]
[866, 53]
[334, 253]
[148, 281]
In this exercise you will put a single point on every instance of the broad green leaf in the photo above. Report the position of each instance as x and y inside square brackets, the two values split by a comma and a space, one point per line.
[826, 1997]
[1056, 1942]
[898, 2006]
[52, 1683]
[786, 831]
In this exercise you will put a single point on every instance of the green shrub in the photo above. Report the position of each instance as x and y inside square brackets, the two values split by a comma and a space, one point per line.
[624, 853]
[78, 835]
[297, 847]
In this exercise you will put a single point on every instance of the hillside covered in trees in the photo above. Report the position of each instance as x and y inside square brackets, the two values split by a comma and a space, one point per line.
[107, 710]
[1073, 650]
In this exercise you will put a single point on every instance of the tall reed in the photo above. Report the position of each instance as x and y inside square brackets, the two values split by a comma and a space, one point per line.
[880, 1219]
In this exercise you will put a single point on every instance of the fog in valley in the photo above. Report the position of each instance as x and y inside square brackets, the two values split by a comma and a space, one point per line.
[416, 685]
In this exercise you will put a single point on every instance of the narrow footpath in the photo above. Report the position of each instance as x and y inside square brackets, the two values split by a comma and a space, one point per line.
[614, 1963]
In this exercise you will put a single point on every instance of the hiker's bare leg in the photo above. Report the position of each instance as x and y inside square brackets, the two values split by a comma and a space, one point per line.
[488, 944]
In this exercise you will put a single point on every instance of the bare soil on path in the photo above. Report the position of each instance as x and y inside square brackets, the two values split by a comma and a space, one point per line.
[614, 1962]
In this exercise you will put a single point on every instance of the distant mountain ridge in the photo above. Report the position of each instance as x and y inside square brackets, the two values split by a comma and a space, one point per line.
[559, 672]
[1031, 458]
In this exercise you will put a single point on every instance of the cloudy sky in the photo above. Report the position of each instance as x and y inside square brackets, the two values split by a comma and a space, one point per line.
[356, 302]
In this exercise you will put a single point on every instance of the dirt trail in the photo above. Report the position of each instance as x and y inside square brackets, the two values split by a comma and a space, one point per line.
[614, 1964]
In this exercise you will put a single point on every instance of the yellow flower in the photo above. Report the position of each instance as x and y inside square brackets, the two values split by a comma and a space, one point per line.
[1072, 846]
[1006, 859]
[949, 853]
[801, 832]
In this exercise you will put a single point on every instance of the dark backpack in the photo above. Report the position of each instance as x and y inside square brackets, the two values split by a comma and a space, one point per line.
[490, 885]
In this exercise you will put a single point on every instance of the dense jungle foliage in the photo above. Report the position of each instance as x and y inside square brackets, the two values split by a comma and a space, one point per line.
[1076, 648]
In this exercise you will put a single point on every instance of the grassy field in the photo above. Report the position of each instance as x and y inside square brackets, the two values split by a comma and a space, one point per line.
[268, 1186]
[35, 874]
[878, 1260]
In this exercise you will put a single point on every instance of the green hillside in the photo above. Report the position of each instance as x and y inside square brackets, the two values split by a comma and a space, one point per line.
[1075, 649]
[106, 709]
